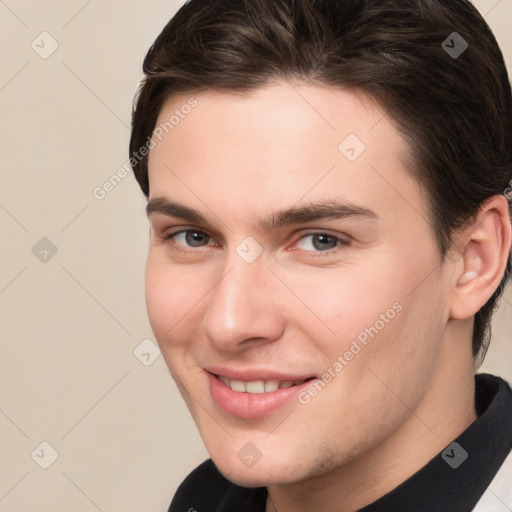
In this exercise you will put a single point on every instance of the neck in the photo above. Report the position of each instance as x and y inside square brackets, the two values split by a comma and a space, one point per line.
[444, 413]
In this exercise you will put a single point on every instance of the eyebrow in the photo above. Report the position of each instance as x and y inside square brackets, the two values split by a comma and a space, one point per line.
[310, 212]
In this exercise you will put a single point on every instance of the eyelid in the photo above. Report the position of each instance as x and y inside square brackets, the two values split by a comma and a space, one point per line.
[169, 233]
[312, 231]
[174, 230]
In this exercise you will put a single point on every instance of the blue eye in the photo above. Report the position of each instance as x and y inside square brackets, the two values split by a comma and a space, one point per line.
[320, 242]
[190, 238]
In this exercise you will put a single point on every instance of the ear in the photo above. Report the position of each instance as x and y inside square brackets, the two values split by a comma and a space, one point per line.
[482, 259]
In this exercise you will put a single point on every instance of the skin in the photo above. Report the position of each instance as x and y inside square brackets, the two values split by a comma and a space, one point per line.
[409, 392]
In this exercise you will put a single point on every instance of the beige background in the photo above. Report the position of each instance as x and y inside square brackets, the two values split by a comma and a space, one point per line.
[69, 325]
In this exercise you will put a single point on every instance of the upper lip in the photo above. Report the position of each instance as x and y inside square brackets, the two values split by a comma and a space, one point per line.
[252, 374]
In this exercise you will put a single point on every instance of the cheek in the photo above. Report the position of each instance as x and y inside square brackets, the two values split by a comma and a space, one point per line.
[402, 348]
[344, 304]
[377, 313]
[171, 295]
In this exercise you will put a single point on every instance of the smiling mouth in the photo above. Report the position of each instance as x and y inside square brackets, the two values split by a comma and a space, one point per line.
[259, 386]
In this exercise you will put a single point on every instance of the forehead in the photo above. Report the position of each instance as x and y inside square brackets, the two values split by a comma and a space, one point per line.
[280, 111]
[277, 145]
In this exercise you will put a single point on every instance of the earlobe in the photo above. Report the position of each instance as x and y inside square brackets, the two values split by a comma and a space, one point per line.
[484, 259]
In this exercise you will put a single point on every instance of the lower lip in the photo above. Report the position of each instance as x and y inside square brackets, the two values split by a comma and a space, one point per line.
[251, 406]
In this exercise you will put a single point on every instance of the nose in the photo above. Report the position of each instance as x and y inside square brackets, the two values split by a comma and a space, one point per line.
[242, 308]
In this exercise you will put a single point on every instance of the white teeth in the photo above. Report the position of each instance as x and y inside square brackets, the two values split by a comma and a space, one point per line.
[258, 386]
[271, 385]
[255, 386]
[238, 385]
[225, 381]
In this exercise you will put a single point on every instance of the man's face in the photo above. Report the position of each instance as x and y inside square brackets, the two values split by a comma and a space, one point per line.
[352, 303]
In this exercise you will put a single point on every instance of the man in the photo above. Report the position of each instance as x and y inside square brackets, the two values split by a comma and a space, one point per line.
[328, 187]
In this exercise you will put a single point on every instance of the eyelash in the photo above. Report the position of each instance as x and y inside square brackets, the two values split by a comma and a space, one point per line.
[341, 242]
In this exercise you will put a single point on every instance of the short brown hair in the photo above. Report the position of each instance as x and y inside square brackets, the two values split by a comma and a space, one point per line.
[455, 112]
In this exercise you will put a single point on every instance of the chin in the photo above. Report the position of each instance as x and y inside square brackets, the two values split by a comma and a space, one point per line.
[248, 479]
[252, 477]
[261, 474]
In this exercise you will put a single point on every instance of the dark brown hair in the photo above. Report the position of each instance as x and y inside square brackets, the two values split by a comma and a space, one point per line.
[455, 111]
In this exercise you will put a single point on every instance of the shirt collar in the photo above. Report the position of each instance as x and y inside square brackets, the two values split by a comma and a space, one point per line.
[457, 477]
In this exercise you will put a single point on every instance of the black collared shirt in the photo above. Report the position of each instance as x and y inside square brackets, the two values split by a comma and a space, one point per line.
[453, 481]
